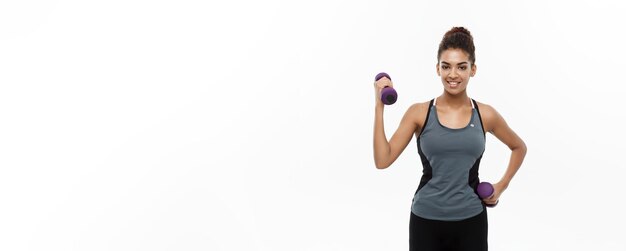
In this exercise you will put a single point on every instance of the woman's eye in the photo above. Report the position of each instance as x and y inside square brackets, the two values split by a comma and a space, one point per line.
[462, 67]
[444, 67]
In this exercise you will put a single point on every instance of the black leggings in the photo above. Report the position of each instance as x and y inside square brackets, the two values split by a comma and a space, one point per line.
[434, 235]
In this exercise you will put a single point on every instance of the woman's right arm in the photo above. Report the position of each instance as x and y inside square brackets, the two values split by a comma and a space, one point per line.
[385, 153]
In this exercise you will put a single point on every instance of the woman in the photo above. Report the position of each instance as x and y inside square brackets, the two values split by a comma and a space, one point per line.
[446, 212]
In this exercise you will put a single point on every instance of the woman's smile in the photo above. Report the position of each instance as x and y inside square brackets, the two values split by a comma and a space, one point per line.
[453, 84]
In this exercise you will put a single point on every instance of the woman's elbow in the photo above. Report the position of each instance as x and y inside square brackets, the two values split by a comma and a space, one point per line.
[521, 147]
[381, 165]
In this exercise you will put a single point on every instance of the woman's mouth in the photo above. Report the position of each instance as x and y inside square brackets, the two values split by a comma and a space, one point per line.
[453, 84]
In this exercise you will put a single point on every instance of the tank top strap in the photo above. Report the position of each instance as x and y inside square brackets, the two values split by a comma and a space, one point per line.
[475, 105]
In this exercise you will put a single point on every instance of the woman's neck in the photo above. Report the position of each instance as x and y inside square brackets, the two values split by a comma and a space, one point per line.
[453, 101]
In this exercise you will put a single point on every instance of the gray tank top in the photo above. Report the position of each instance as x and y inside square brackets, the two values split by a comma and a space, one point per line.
[450, 159]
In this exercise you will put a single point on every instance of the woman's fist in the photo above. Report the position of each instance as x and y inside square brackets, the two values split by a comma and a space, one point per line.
[382, 82]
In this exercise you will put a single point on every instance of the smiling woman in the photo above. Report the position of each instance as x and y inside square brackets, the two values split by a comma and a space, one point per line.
[446, 211]
[459, 60]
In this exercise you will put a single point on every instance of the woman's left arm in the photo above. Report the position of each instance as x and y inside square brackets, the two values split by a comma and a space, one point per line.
[499, 128]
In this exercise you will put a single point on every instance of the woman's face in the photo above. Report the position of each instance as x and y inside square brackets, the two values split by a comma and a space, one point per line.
[455, 69]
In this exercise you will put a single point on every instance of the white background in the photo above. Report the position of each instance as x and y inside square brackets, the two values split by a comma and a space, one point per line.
[247, 125]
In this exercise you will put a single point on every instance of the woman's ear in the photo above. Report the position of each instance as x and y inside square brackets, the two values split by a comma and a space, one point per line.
[438, 73]
[473, 72]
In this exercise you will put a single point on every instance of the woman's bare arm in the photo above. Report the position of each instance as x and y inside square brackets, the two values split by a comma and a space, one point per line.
[497, 126]
[385, 153]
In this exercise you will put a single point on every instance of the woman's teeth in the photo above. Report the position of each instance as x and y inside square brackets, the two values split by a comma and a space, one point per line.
[453, 84]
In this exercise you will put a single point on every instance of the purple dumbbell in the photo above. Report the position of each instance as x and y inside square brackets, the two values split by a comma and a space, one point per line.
[485, 190]
[388, 95]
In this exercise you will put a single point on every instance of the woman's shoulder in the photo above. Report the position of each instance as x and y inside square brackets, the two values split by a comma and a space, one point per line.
[485, 109]
[488, 114]
[420, 107]
[418, 111]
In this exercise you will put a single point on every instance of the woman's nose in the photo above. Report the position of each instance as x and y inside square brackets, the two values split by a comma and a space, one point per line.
[453, 74]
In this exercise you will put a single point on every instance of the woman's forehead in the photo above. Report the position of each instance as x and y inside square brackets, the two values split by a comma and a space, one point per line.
[454, 56]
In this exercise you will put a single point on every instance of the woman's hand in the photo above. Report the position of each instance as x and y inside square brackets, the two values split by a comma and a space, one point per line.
[378, 87]
[498, 189]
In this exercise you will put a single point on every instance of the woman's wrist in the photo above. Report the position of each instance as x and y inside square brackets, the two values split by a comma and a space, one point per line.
[380, 106]
[504, 183]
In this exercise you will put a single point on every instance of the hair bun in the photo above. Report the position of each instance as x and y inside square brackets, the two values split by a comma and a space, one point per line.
[458, 29]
